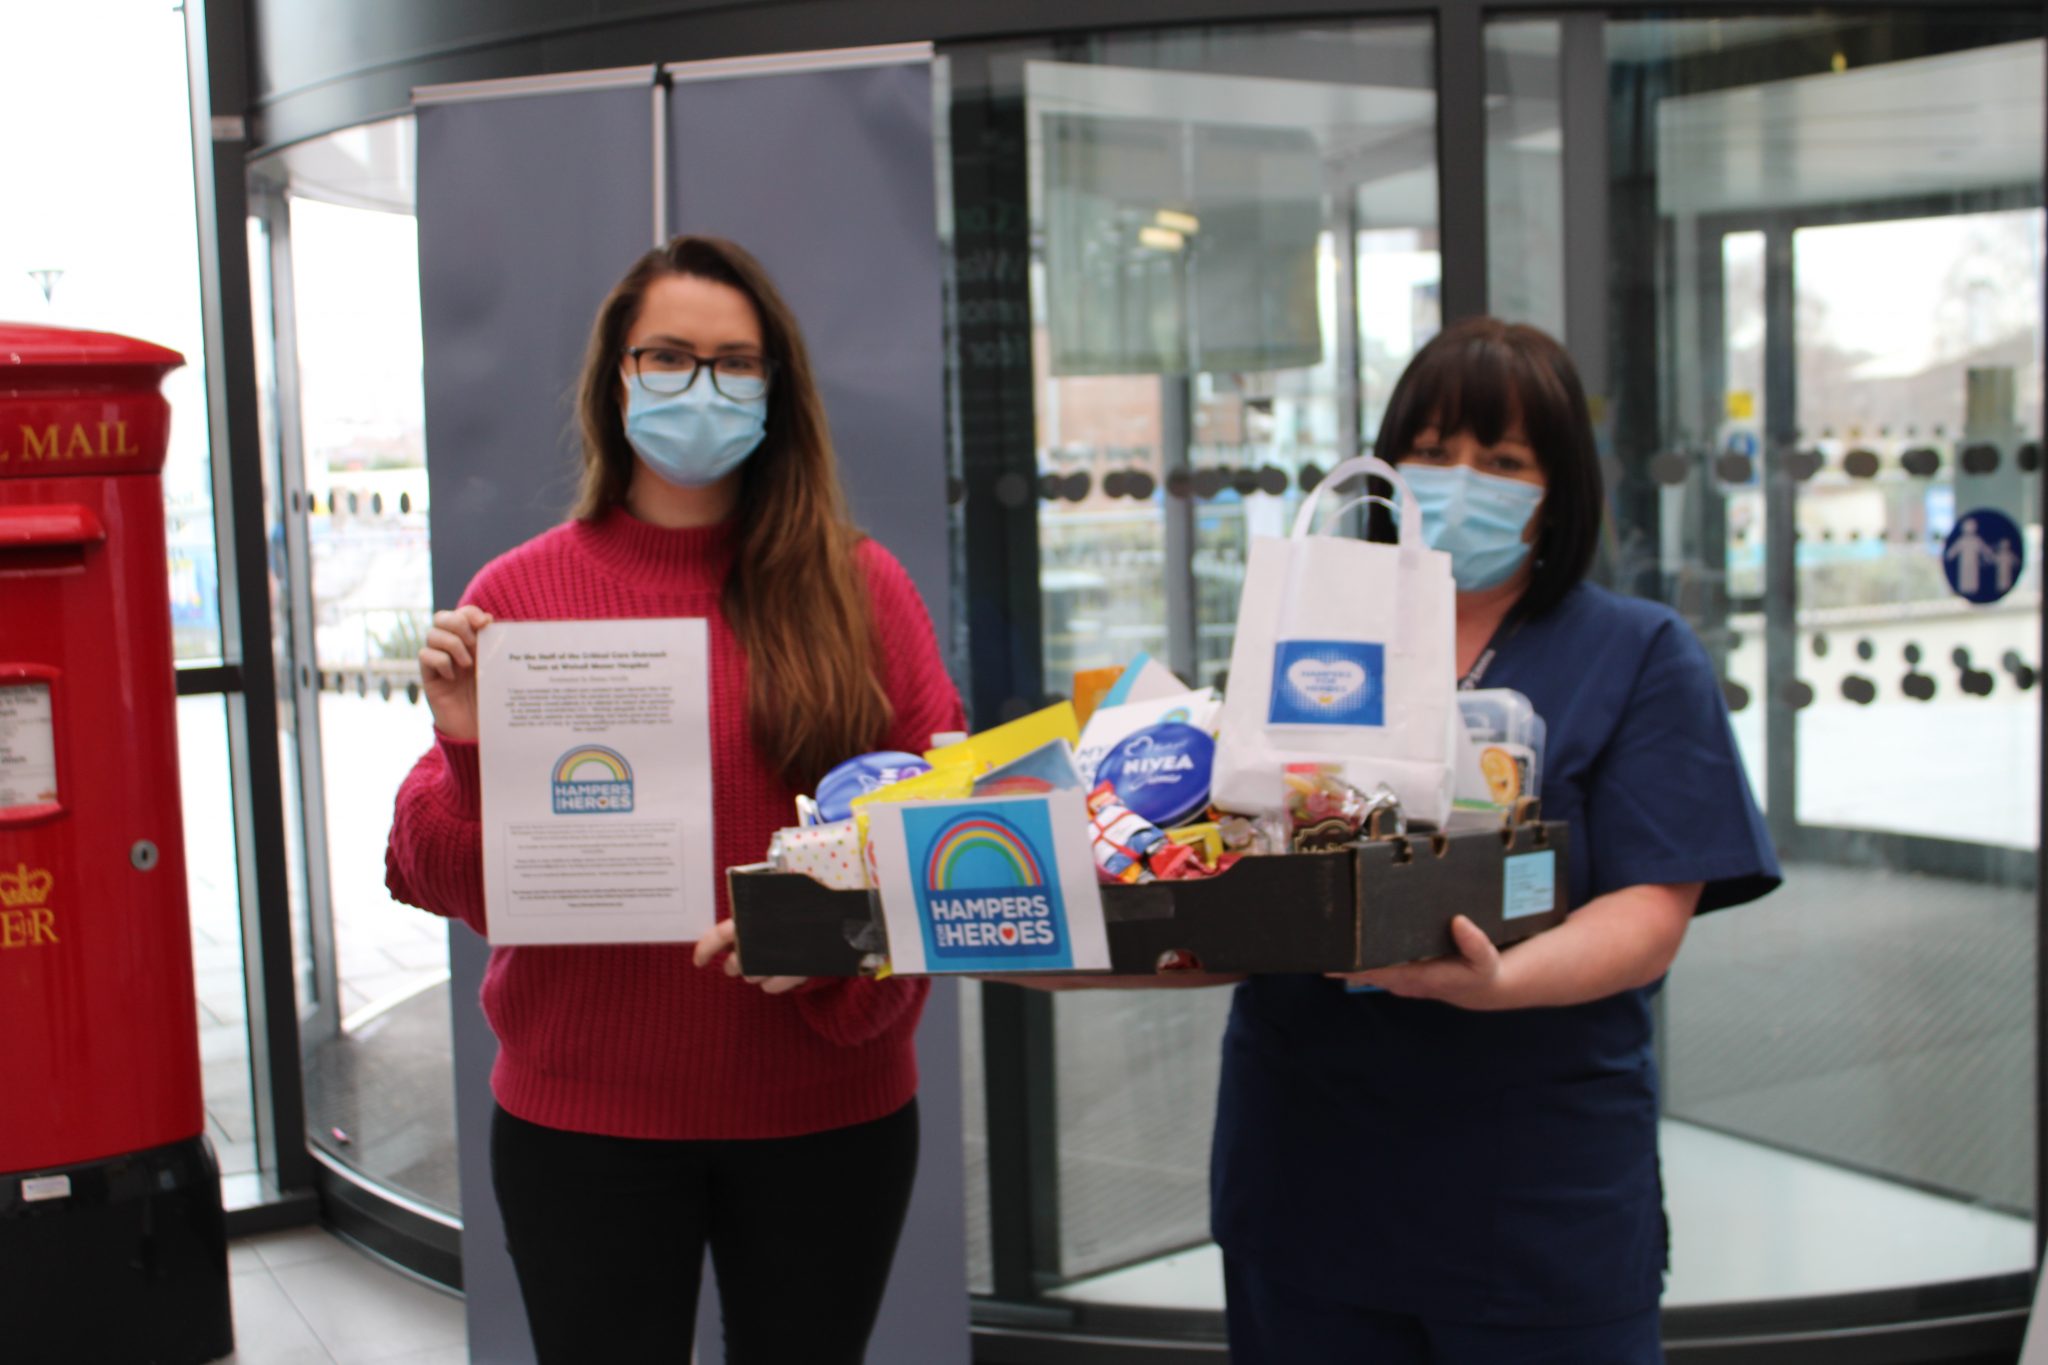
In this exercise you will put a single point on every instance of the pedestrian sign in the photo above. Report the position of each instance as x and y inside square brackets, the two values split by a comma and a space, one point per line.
[1983, 556]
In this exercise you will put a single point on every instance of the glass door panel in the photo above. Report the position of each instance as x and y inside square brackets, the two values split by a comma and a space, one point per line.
[1847, 286]
[378, 1086]
[1234, 257]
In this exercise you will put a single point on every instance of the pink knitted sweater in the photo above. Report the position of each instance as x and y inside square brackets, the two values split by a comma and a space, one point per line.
[633, 1040]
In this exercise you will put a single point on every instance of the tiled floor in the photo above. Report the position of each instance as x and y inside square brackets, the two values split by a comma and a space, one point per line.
[306, 1298]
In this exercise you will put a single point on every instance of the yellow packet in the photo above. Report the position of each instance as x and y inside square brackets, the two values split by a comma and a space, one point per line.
[941, 783]
[1005, 743]
[1208, 836]
[951, 783]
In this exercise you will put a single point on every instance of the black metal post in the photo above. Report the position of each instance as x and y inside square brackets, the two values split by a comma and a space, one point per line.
[2041, 869]
[998, 436]
[1781, 537]
[1461, 156]
[216, 37]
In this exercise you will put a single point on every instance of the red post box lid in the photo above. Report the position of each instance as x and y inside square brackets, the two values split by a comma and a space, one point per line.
[81, 403]
[30, 352]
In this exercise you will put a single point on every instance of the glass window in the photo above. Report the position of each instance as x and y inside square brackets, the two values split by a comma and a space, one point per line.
[1232, 255]
[70, 256]
[214, 898]
[75, 259]
[1525, 173]
[353, 485]
[1828, 358]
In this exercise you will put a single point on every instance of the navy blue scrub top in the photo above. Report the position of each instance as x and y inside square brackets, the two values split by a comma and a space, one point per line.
[1410, 1157]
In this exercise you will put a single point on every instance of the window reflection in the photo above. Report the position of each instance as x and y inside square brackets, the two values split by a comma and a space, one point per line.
[378, 1088]
[1861, 1043]
[1234, 258]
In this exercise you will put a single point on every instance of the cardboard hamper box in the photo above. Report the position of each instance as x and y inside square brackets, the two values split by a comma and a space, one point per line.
[1372, 905]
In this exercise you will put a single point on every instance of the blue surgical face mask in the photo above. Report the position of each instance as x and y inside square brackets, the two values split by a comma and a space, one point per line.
[696, 437]
[1477, 518]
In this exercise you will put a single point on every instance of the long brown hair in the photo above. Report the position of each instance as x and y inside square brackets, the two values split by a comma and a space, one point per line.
[795, 597]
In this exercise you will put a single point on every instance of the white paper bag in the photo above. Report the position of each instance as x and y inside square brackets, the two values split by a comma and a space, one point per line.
[1345, 654]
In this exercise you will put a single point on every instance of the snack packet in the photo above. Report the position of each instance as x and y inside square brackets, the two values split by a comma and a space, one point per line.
[1253, 835]
[1188, 862]
[1121, 839]
[1323, 810]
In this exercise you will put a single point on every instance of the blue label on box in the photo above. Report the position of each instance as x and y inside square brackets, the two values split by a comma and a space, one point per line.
[988, 886]
[1328, 682]
[1528, 884]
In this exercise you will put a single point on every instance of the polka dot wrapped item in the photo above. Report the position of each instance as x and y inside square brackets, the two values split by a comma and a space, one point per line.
[828, 854]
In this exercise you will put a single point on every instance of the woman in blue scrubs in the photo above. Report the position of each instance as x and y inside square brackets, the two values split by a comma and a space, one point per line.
[1459, 1164]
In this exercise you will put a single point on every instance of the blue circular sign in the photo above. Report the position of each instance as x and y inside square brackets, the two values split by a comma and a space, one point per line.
[1162, 772]
[1984, 555]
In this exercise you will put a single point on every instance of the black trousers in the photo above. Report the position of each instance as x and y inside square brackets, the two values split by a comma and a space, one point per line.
[608, 1236]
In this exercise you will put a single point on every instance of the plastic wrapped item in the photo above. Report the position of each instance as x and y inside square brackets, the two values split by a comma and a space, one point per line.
[1502, 759]
[1205, 836]
[828, 854]
[1257, 835]
[1323, 810]
[1121, 839]
[1187, 862]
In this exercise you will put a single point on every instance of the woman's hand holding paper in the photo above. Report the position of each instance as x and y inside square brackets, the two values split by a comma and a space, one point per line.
[448, 670]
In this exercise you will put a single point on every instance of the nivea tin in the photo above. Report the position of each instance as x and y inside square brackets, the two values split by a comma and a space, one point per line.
[859, 776]
[1162, 772]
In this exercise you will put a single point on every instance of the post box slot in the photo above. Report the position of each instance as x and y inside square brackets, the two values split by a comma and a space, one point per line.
[62, 525]
[40, 559]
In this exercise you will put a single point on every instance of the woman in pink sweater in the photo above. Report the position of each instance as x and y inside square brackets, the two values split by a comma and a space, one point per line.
[648, 1108]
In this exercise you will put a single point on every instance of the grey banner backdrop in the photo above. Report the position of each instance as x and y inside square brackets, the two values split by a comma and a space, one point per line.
[529, 211]
[827, 176]
[530, 207]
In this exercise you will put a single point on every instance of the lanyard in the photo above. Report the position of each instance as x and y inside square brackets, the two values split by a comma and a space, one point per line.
[1504, 632]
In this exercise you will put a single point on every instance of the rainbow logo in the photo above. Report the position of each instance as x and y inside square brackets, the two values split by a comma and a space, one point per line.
[981, 854]
[985, 883]
[593, 780]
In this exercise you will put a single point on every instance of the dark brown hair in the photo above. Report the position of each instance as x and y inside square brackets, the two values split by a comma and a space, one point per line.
[1480, 376]
[796, 599]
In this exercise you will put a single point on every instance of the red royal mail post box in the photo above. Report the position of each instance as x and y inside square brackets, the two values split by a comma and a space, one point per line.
[111, 1240]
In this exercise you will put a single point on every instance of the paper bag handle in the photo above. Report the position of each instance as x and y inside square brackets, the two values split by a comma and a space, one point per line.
[1410, 513]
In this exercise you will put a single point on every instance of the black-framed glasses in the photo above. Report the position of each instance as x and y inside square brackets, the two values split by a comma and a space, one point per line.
[669, 370]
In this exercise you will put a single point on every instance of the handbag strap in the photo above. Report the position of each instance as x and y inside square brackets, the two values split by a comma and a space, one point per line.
[1408, 515]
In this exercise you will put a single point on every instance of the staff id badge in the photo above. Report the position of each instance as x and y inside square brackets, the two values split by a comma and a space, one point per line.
[1329, 682]
[996, 884]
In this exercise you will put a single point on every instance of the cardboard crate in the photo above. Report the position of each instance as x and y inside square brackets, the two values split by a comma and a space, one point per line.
[1372, 905]
[1511, 883]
